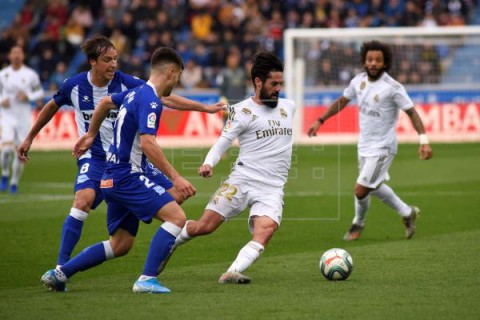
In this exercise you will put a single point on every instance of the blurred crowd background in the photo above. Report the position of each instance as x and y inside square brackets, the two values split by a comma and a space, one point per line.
[216, 38]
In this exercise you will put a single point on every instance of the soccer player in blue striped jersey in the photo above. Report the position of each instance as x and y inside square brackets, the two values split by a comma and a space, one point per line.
[130, 195]
[83, 92]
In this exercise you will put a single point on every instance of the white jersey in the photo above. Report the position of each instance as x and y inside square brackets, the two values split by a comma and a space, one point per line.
[265, 137]
[12, 82]
[378, 102]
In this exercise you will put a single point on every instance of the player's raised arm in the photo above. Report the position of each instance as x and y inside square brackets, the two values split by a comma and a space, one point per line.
[424, 151]
[47, 113]
[101, 112]
[180, 103]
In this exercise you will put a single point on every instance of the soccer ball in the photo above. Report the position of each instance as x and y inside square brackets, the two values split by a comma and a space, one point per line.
[336, 264]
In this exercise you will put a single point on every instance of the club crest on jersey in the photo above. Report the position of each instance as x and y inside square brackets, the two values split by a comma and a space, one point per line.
[246, 111]
[152, 117]
[227, 126]
[362, 85]
[376, 98]
[153, 105]
[283, 113]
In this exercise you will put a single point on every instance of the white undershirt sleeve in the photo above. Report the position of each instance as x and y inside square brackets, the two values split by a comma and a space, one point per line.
[217, 150]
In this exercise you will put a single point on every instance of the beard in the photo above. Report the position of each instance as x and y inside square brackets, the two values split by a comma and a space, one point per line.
[268, 100]
[374, 76]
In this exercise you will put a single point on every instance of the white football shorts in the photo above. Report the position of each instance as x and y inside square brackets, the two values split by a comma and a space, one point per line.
[373, 170]
[236, 193]
[12, 131]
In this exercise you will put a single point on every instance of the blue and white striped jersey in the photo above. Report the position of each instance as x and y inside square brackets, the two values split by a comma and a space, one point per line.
[79, 92]
[139, 114]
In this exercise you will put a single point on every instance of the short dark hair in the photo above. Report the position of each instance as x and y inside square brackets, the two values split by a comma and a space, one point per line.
[377, 46]
[166, 55]
[264, 63]
[96, 46]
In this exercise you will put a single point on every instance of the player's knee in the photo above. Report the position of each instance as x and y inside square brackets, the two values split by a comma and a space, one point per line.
[361, 191]
[179, 219]
[84, 201]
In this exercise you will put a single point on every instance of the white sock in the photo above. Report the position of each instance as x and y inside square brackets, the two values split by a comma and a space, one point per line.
[183, 237]
[388, 196]
[17, 170]
[60, 275]
[107, 246]
[246, 257]
[361, 209]
[6, 155]
[78, 214]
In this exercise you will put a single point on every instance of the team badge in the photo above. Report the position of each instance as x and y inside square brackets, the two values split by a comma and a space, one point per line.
[246, 111]
[376, 98]
[227, 126]
[152, 118]
[283, 113]
[362, 85]
[254, 117]
[153, 105]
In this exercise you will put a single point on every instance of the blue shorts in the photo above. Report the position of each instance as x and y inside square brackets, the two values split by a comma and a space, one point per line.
[89, 174]
[131, 197]
[157, 176]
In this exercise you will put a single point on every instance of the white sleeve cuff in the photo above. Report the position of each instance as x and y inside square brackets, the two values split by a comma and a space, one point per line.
[217, 150]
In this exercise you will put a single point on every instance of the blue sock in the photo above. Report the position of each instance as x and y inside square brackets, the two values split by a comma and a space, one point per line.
[88, 258]
[160, 247]
[71, 232]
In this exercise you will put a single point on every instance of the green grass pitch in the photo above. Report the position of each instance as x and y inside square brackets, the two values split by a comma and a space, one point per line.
[436, 275]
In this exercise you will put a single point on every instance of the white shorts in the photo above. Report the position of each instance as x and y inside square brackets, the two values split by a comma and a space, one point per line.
[12, 131]
[374, 170]
[235, 194]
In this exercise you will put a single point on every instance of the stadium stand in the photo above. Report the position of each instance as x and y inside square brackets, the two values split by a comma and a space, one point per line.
[207, 31]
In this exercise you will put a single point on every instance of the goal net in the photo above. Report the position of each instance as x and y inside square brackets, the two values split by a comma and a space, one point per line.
[440, 68]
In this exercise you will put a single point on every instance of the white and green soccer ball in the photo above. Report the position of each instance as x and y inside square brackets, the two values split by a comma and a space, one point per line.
[336, 264]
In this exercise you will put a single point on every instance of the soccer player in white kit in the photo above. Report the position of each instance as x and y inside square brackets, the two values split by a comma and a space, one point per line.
[263, 126]
[19, 87]
[379, 99]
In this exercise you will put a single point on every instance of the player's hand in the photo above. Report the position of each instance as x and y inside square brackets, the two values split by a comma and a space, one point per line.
[312, 131]
[184, 187]
[22, 151]
[214, 108]
[425, 152]
[205, 170]
[21, 96]
[5, 103]
[82, 145]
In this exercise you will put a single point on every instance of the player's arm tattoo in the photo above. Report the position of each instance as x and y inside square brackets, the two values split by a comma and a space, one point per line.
[416, 120]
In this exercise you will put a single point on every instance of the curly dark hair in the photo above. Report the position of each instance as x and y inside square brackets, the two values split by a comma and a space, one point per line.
[377, 46]
[263, 63]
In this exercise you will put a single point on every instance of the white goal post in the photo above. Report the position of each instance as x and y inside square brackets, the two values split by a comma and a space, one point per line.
[440, 68]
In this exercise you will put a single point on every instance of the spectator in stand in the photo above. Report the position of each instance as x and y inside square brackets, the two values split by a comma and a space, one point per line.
[191, 75]
[232, 79]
